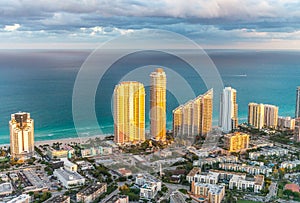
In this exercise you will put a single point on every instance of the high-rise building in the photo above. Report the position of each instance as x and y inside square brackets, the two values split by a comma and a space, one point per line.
[297, 111]
[256, 115]
[271, 115]
[237, 141]
[260, 115]
[194, 117]
[297, 130]
[129, 112]
[158, 105]
[228, 110]
[21, 128]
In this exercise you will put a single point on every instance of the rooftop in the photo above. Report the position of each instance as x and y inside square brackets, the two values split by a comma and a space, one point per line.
[292, 187]
[6, 187]
[68, 175]
[91, 189]
[214, 189]
[194, 171]
[20, 198]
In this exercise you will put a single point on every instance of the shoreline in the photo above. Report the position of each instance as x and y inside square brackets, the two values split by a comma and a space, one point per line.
[63, 140]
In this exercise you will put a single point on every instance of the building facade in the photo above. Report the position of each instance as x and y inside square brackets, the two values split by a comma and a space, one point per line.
[286, 122]
[262, 115]
[158, 86]
[297, 111]
[194, 117]
[237, 141]
[21, 128]
[256, 115]
[69, 179]
[228, 110]
[271, 115]
[211, 192]
[91, 193]
[297, 130]
[129, 112]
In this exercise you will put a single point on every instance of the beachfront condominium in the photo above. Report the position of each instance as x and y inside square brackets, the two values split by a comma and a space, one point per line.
[129, 112]
[158, 105]
[297, 111]
[256, 115]
[260, 115]
[21, 128]
[297, 130]
[194, 117]
[228, 110]
[236, 142]
[271, 116]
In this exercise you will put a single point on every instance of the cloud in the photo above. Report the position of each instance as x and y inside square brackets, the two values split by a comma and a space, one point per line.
[205, 21]
[11, 28]
[112, 31]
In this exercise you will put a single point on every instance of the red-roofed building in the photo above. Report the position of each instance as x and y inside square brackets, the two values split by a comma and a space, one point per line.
[292, 187]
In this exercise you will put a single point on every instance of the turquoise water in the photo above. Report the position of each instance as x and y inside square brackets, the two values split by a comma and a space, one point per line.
[41, 82]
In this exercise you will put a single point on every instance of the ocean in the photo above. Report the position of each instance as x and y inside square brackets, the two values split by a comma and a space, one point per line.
[41, 82]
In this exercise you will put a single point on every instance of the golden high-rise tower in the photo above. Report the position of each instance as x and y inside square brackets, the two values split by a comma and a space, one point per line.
[194, 117]
[158, 105]
[129, 112]
[237, 141]
[21, 128]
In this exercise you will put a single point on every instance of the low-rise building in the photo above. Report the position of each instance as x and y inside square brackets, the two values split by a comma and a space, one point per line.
[55, 164]
[292, 187]
[286, 122]
[149, 186]
[268, 151]
[91, 193]
[59, 199]
[227, 175]
[68, 165]
[122, 199]
[290, 164]
[84, 165]
[219, 159]
[23, 198]
[210, 192]
[13, 176]
[211, 178]
[253, 170]
[4, 177]
[54, 154]
[95, 151]
[124, 172]
[33, 181]
[255, 184]
[190, 176]
[69, 179]
[6, 189]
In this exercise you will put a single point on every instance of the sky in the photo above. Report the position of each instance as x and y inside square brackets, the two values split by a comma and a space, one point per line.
[230, 24]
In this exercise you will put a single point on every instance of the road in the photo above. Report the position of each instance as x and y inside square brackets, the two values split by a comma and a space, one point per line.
[172, 188]
[110, 196]
[272, 191]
